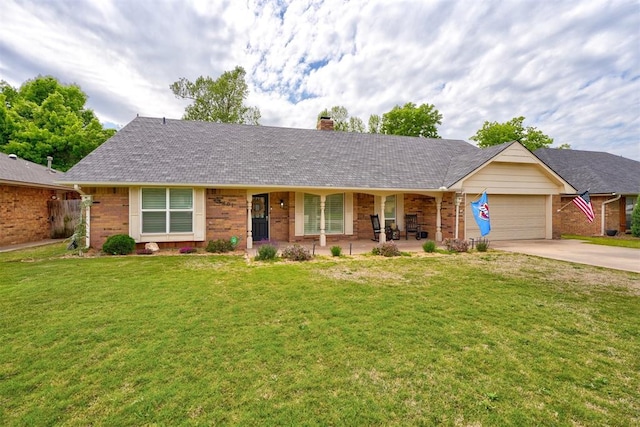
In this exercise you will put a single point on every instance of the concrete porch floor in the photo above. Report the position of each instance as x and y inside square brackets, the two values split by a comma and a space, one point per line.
[350, 247]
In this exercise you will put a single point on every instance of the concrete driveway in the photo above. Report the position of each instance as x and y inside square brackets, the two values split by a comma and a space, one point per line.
[576, 251]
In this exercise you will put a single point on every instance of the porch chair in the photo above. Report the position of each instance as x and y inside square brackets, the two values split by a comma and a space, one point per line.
[375, 223]
[411, 226]
[377, 229]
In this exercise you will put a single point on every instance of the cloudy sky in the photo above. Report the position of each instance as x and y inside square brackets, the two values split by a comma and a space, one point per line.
[572, 68]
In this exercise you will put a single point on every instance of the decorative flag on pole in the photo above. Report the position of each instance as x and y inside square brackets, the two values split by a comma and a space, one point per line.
[583, 202]
[480, 210]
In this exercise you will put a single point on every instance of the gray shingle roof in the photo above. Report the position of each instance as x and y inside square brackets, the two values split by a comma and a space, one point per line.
[23, 172]
[202, 153]
[596, 171]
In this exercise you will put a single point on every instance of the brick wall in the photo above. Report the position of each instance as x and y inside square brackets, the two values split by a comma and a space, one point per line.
[573, 221]
[109, 213]
[24, 216]
[226, 215]
[279, 218]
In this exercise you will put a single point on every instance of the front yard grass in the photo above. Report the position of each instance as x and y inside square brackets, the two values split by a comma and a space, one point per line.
[624, 240]
[471, 339]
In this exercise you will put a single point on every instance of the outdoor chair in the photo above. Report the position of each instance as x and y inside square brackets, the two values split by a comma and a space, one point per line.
[375, 223]
[377, 229]
[411, 226]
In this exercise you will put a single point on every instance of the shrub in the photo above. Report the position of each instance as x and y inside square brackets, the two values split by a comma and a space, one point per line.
[429, 246]
[336, 250]
[188, 250]
[296, 252]
[386, 249]
[482, 245]
[144, 252]
[456, 245]
[219, 246]
[266, 252]
[119, 244]
[635, 219]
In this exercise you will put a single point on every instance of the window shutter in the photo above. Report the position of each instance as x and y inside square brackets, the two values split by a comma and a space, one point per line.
[299, 220]
[348, 214]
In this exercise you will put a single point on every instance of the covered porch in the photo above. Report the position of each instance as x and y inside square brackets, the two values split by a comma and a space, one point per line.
[321, 218]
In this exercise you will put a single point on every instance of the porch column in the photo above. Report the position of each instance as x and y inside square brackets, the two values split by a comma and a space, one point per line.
[438, 219]
[323, 236]
[86, 202]
[382, 237]
[249, 222]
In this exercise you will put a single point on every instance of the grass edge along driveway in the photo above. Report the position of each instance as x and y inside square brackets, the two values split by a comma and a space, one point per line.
[471, 339]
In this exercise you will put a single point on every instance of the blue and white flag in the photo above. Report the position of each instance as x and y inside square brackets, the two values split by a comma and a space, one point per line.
[480, 210]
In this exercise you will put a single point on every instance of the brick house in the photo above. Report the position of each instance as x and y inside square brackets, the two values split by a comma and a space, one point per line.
[178, 182]
[613, 183]
[26, 188]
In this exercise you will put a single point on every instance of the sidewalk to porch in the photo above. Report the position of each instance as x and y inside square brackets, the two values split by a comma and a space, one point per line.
[351, 247]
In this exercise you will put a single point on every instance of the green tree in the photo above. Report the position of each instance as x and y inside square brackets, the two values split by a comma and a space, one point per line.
[635, 219]
[220, 100]
[375, 123]
[410, 120]
[494, 133]
[46, 118]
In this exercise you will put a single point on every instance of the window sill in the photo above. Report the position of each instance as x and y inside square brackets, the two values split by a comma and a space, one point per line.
[168, 237]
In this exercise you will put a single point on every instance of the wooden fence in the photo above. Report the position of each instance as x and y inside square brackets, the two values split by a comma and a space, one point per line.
[64, 215]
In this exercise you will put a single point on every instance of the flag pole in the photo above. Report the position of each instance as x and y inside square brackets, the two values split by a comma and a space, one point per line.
[480, 193]
[567, 204]
[571, 201]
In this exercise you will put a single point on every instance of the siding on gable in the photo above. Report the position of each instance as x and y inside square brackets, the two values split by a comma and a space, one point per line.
[510, 178]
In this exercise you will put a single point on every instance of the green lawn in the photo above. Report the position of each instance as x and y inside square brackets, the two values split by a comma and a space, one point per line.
[470, 339]
[625, 241]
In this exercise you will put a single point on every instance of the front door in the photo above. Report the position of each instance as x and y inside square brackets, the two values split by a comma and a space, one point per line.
[260, 217]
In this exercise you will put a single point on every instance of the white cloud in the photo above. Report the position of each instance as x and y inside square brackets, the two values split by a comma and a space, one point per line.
[572, 68]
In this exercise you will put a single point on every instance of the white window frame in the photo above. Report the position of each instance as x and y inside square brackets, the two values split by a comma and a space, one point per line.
[198, 218]
[168, 210]
[327, 218]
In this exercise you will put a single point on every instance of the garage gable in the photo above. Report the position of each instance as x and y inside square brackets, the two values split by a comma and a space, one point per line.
[515, 170]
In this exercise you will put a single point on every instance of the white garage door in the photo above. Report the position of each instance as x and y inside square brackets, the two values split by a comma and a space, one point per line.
[512, 218]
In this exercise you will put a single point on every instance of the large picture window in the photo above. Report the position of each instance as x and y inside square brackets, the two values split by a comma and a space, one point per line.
[630, 203]
[333, 214]
[167, 210]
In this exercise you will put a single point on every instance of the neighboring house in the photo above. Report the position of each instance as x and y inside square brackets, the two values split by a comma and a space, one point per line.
[178, 182]
[26, 192]
[613, 183]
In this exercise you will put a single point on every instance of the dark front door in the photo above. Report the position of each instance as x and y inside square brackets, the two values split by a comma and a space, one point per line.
[260, 217]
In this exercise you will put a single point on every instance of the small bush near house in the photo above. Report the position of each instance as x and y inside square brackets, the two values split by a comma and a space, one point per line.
[635, 219]
[188, 250]
[266, 252]
[219, 246]
[456, 245]
[482, 245]
[387, 249]
[296, 252]
[144, 252]
[119, 244]
[429, 246]
[336, 250]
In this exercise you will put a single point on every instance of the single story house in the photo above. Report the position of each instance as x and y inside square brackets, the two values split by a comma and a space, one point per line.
[613, 183]
[26, 192]
[177, 182]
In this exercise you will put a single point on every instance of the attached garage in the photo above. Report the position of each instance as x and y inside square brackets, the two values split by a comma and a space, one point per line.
[520, 192]
[512, 217]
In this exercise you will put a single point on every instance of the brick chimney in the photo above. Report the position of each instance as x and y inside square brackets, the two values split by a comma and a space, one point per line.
[325, 123]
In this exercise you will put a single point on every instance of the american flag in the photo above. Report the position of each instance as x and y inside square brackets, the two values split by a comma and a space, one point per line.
[583, 202]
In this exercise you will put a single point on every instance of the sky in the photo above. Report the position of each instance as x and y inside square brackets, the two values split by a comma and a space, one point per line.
[571, 68]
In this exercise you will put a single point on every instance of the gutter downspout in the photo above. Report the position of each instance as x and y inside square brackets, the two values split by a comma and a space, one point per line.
[602, 217]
